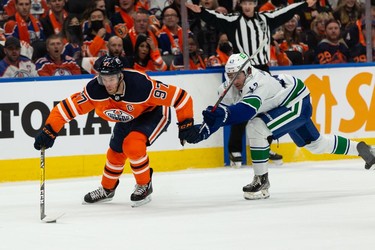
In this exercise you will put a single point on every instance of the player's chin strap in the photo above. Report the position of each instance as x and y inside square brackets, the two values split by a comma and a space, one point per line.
[117, 97]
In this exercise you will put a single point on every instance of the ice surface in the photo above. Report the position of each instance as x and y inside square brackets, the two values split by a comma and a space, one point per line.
[315, 205]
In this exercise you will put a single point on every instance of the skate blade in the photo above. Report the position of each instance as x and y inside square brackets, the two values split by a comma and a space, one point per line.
[264, 194]
[141, 202]
[236, 164]
[277, 162]
[368, 167]
[101, 201]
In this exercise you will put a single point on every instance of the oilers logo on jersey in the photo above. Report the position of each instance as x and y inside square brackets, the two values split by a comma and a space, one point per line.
[118, 115]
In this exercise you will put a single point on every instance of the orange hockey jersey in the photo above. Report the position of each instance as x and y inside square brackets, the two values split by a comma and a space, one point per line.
[142, 94]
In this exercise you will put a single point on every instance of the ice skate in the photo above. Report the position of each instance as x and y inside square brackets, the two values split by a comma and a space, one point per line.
[142, 193]
[368, 154]
[258, 189]
[235, 159]
[100, 195]
[276, 158]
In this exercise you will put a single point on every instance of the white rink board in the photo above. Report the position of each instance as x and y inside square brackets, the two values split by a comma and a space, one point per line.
[22, 94]
[202, 86]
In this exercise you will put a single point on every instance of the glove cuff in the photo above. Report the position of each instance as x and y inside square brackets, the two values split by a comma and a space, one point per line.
[187, 123]
[49, 131]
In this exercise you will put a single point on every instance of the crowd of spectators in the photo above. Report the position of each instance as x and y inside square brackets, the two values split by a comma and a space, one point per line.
[64, 37]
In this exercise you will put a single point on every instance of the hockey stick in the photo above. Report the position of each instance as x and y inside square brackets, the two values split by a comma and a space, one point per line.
[43, 216]
[221, 97]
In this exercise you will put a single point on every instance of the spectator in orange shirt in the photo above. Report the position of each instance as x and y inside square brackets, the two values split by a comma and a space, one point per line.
[223, 51]
[55, 63]
[23, 25]
[37, 6]
[147, 56]
[272, 5]
[292, 44]
[195, 59]
[278, 56]
[96, 36]
[124, 13]
[53, 22]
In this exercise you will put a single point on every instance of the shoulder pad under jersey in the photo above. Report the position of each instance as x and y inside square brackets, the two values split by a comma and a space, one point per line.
[96, 91]
[138, 86]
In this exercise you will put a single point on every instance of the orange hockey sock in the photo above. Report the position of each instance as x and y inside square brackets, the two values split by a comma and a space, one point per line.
[113, 169]
[134, 148]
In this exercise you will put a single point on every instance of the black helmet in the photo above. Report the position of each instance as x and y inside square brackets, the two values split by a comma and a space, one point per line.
[108, 65]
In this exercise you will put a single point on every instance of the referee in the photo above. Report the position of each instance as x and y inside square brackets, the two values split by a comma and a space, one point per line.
[249, 32]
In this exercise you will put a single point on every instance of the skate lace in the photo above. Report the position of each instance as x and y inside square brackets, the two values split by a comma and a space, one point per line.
[140, 189]
[98, 193]
[256, 181]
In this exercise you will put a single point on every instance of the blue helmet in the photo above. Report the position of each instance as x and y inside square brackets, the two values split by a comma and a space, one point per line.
[108, 65]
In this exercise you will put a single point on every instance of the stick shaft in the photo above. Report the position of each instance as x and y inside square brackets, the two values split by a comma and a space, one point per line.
[42, 184]
[229, 86]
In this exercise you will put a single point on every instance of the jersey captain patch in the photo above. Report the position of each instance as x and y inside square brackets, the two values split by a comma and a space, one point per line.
[118, 115]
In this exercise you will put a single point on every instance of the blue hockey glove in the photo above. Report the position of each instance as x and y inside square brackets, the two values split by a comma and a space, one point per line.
[45, 138]
[187, 131]
[203, 133]
[215, 119]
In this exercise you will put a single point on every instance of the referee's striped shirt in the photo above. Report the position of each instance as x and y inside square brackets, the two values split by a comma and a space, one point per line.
[252, 35]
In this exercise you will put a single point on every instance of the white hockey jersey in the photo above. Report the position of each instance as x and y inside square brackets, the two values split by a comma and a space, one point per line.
[264, 92]
[25, 69]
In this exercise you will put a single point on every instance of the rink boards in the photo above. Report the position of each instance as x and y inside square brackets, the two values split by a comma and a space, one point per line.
[342, 96]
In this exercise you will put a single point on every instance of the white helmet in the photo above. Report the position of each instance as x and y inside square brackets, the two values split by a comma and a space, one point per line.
[235, 63]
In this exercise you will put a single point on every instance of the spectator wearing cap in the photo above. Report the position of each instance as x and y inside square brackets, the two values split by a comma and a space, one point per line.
[55, 63]
[23, 24]
[53, 22]
[14, 64]
[333, 48]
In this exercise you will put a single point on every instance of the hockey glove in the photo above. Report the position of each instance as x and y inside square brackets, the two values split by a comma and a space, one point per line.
[45, 138]
[203, 133]
[187, 131]
[215, 119]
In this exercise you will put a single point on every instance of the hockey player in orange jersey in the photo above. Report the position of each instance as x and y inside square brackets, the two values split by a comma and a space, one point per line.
[140, 106]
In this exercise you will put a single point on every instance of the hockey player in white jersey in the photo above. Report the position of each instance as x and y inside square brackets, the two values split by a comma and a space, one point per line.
[233, 96]
[273, 106]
